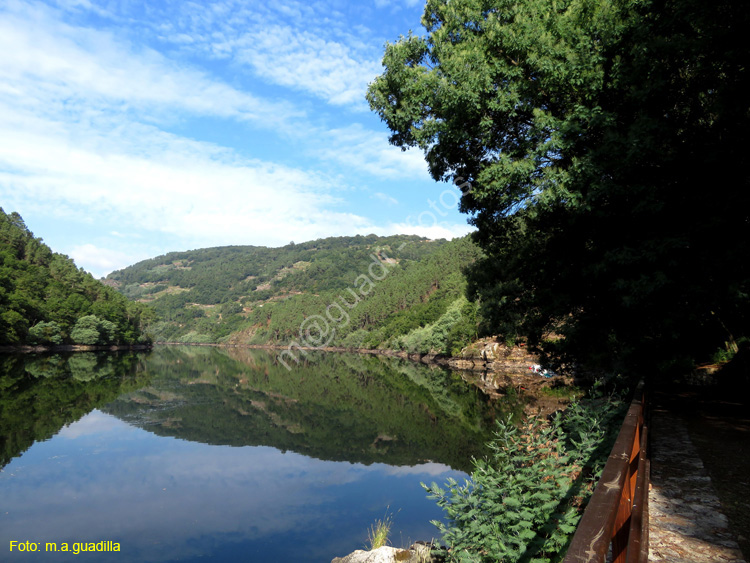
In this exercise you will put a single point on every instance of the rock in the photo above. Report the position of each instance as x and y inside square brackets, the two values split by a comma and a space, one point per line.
[417, 553]
[383, 554]
[489, 354]
[461, 364]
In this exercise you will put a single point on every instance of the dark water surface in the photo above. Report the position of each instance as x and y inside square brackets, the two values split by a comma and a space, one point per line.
[205, 454]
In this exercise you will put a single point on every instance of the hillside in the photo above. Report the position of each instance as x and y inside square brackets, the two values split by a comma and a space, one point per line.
[362, 291]
[45, 299]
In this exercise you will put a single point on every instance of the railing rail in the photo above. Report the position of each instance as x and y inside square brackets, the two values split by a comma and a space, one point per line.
[617, 513]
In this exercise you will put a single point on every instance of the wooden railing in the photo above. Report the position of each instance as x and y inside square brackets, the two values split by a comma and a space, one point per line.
[617, 513]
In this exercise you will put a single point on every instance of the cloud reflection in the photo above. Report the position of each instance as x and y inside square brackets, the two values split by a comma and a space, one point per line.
[96, 422]
[164, 498]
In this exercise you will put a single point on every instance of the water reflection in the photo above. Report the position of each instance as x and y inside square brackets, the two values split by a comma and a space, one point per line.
[334, 406]
[158, 467]
[39, 394]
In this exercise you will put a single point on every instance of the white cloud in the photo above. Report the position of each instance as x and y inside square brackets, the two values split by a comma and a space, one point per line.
[357, 148]
[307, 47]
[101, 261]
[78, 134]
[197, 191]
[61, 68]
[431, 230]
[396, 3]
[84, 114]
[328, 69]
[386, 198]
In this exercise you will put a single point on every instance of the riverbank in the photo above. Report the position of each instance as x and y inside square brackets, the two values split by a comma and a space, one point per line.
[486, 355]
[28, 349]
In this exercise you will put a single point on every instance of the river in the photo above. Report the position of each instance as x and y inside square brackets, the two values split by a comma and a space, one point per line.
[210, 454]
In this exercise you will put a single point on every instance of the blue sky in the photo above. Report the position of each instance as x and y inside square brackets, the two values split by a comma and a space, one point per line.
[129, 129]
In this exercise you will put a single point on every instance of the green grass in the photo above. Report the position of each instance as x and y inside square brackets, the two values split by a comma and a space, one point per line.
[563, 392]
[378, 533]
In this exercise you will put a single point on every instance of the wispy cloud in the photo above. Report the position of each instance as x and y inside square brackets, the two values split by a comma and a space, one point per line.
[196, 190]
[386, 198]
[324, 68]
[307, 47]
[357, 148]
[60, 68]
[396, 3]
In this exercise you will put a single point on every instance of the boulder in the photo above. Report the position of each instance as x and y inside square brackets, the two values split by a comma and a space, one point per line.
[417, 553]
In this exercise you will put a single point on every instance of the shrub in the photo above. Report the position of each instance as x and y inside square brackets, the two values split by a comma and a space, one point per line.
[525, 501]
[91, 330]
[453, 330]
[45, 333]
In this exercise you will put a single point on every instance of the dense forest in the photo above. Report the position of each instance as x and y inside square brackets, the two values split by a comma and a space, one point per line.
[45, 299]
[361, 292]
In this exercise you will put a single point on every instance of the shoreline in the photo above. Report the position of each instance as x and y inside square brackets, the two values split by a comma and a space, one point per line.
[486, 356]
[492, 357]
[42, 349]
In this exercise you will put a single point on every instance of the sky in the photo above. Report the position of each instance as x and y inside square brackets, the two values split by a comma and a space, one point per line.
[131, 129]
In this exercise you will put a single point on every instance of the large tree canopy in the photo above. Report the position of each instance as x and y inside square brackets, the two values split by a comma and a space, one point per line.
[603, 143]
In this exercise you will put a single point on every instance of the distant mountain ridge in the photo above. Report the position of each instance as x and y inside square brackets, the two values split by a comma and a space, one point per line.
[402, 292]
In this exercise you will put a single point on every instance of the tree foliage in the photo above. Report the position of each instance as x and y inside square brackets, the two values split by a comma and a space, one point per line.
[523, 503]
[92, 330]
[599, 145]
[44, 296]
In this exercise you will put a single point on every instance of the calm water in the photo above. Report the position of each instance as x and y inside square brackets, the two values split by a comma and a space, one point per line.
[203, 454]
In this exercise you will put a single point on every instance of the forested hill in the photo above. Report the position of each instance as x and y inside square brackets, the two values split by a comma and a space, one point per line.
[45, 299]
[362, 291]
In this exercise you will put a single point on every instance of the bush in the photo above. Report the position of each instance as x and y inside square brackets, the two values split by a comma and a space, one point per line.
[525, 501]
[91, 330]
[45, 333]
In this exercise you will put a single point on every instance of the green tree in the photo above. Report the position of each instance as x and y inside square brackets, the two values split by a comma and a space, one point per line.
[13, 327]
[45, 333]
[91, 330]
[587, 136]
